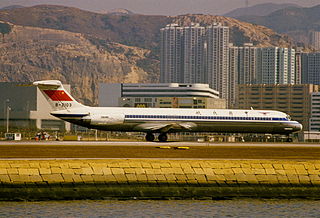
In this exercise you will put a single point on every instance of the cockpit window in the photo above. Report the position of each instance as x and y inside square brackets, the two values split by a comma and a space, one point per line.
[288, 117]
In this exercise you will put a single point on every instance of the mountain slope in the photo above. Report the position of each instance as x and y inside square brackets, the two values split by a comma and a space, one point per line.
[30, 54]
[258, 10]
[134, 30]
[11, 7]
[296, 22]
[240, 32]
[83, 48]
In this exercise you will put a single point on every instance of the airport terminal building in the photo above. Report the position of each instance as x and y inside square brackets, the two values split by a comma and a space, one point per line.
[162, 95]
[27, 108]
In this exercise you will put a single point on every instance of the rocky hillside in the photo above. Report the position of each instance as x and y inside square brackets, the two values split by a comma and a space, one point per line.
[296, 22]
[84, 48]
[259, 9]
[240, 32]
[134, 30]
[30, 53]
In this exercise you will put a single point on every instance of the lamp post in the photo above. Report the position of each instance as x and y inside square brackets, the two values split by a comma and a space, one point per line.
[8, 111]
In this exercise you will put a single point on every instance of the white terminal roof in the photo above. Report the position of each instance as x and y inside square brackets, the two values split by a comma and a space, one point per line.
[168, 90]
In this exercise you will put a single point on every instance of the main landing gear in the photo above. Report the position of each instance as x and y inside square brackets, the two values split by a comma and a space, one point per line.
[162, 137]
[149, 137]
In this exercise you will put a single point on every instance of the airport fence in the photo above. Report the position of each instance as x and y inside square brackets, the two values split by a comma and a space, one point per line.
[96, 135]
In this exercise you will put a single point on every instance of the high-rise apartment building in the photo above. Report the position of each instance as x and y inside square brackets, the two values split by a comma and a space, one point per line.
[217, 44]
[275, 65]
[247, 64]
[242, 69]
[315, 40]
[310, 68]
[298, 69]
[196, 54]
[171, 53]
[193, 54]
[182, 54]
[291, 66]
[233, 74]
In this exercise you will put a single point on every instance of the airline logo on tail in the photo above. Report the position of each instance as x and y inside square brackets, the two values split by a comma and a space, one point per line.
[57, 95]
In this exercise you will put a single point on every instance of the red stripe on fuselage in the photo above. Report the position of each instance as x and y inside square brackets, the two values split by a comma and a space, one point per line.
[58, 95]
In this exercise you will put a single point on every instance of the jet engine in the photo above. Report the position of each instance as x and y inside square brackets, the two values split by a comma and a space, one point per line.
[99, 120]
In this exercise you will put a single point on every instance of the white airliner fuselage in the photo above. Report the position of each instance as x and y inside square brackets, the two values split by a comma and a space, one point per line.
[164, 120]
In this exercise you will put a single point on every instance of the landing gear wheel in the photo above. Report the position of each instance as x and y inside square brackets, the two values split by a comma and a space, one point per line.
[163, 137]
[149, 137]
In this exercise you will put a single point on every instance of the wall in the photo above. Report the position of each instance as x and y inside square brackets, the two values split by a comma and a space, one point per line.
[152, 178]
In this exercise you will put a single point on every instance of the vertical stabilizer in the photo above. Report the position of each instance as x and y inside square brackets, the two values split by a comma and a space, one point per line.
[56, 95]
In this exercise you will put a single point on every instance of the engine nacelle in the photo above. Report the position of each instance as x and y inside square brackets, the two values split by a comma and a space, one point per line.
[100, 120]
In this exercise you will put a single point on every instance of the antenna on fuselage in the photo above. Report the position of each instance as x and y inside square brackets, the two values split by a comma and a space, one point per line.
[251, 108]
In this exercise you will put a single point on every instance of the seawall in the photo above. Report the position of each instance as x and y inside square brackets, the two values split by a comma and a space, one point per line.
[157, 179]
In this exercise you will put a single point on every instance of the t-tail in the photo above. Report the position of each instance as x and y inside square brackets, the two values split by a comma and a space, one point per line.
[56, 95]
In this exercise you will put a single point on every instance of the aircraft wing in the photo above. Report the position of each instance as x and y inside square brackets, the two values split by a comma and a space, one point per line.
[165, 127]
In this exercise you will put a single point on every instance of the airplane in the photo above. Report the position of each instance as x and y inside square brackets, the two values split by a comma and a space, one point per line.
[164, 120]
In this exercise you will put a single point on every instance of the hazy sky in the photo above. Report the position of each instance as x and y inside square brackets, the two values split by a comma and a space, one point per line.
[161, 7]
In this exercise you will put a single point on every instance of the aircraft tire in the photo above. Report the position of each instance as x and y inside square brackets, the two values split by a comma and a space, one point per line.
[163, 137]
[149, 137]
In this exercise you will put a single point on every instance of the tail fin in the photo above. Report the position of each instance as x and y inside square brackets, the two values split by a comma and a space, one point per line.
[56, 95]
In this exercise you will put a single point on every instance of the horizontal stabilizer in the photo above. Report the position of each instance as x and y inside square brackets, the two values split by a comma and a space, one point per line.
[54, 84]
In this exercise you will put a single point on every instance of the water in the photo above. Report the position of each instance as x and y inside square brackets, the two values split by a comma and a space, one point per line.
[182, 208]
